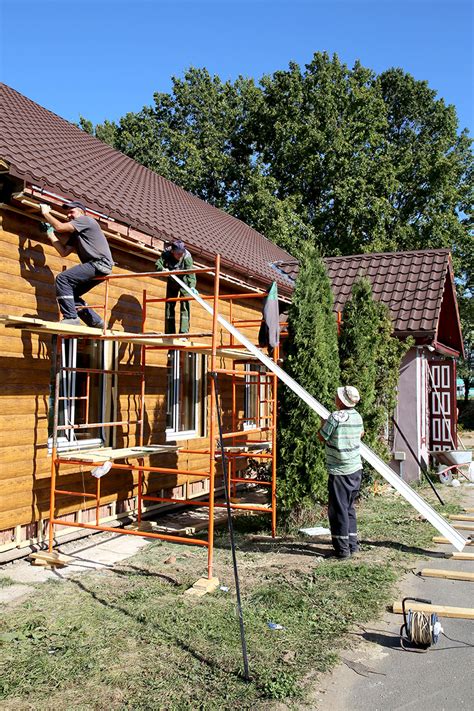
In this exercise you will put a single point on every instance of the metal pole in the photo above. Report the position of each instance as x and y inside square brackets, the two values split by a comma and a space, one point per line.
[212, 423]
[231, 533]
[57, 345]
[421, 464]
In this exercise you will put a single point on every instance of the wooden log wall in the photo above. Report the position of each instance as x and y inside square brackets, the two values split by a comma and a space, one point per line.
[29, 265]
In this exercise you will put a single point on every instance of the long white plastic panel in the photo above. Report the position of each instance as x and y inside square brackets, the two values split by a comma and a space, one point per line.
[373, 459]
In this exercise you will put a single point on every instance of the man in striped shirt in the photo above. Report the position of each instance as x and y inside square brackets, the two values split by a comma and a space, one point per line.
[342, 433]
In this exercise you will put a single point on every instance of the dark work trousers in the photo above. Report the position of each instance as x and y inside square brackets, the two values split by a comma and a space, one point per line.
[172, 291]
[343, 490]
[71, 285]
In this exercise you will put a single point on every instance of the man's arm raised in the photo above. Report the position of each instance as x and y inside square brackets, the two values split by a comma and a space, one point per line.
[59, 243]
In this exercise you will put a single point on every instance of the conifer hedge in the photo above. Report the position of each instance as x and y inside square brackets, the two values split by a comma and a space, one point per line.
[311, 358]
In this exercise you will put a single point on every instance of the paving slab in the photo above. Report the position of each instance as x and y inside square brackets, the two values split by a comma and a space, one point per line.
[14, 593]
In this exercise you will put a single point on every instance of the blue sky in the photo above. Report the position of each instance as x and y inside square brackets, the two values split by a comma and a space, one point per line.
[102, 58]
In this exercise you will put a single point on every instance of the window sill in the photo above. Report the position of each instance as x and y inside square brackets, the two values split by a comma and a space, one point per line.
[172, 436]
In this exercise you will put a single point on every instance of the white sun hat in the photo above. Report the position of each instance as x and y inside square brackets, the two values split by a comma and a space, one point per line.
[348, 395]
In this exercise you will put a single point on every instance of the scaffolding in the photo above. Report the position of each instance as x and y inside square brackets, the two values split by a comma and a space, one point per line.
[245, 439]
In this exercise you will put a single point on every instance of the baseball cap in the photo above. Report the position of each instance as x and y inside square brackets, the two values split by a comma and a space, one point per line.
[348, 395]
[74, 203]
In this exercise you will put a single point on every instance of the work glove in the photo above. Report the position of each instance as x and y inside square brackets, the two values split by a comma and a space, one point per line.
[46, 227]
[45, 209]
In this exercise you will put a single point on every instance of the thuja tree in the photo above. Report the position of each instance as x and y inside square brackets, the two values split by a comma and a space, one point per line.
[370, 359]
[311, 358]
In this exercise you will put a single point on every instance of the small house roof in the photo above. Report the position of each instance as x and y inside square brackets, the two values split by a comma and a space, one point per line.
[44, 149]
[417, 286]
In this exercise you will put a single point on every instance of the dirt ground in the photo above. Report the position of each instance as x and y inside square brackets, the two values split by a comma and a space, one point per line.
[467, 439]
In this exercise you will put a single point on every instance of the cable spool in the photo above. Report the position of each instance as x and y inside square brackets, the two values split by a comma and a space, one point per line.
[419, 629]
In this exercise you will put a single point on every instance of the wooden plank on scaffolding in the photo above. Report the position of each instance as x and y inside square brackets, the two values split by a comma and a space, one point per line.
[448, 574]
[38, 325]
[464, 613]
[109, 454]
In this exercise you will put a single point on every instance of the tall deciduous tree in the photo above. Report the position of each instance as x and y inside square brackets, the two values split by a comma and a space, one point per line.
[370, 359]
[342, 157]
[311, 358]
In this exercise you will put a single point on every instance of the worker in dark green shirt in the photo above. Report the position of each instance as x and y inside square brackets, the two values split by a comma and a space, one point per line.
[341, 433]
[177, 258]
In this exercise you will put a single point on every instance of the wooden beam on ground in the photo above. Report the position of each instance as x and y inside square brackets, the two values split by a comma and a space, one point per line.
[468, 509]
[203, 586]
[464, 613]
[449, 574]
[461, 517]
[442, 539]
[460, 556]
[54, 558]
[464, 526]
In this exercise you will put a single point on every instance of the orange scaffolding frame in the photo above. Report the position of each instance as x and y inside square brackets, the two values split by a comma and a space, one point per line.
[265, 382]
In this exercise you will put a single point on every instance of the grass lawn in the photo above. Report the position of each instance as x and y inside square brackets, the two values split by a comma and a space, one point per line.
[127, 638]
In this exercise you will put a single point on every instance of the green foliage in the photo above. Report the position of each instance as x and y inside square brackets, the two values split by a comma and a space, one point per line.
[466, 414]
[347, 159]
[370, 359]
[465, 366]
[311, 358]
[106, 131]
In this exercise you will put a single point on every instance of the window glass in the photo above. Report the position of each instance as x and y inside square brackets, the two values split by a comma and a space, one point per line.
[256, 392]
[184, 393]
[82, 395]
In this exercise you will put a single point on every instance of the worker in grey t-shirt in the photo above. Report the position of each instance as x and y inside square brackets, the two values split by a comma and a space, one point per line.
[83, 235]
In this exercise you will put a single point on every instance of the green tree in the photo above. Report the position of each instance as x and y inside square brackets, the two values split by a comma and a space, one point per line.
[341, 157]
[106, 132]
[370, 359]
[311, 358]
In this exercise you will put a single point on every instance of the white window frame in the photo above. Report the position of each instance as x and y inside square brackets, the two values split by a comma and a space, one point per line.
[66, 438]
[249, 383]
[172, 433]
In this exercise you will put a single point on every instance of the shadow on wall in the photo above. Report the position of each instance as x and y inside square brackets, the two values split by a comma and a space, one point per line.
[128, 313]
[34, 269]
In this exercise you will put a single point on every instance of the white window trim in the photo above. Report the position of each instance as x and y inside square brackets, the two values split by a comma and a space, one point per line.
[172, 434]
[64, 443]
[249, 384]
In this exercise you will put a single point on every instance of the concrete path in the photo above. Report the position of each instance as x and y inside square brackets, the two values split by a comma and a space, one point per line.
[100, 551]
[391, 679]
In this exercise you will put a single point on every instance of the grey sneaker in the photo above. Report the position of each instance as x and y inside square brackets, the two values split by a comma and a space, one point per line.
[71, 321]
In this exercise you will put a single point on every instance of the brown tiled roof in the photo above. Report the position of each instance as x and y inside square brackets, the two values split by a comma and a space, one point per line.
[411, 284]
[45, 150]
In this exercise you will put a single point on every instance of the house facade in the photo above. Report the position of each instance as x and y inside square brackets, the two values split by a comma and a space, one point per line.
[43, 158]
[155, 394]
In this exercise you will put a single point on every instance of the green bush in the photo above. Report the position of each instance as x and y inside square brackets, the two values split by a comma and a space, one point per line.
[466, 414]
